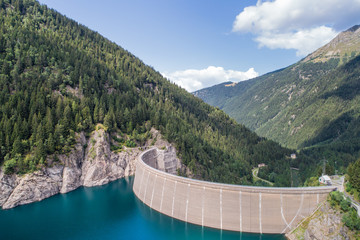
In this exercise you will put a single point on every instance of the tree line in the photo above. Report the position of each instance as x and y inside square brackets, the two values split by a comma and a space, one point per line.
[59, 78]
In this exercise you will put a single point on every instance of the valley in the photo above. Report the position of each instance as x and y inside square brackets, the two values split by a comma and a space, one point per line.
[77, 110]
[311, 106]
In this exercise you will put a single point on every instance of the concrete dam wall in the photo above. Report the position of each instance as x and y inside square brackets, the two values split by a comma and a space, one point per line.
[222, 206]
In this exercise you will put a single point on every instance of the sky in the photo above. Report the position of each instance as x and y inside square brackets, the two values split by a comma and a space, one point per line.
[200, 43]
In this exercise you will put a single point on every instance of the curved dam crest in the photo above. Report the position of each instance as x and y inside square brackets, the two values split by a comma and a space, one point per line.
[221, 206]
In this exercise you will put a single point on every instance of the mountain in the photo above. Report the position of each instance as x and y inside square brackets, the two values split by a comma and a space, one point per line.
[314, 103]
[343, 47]
[59, 80]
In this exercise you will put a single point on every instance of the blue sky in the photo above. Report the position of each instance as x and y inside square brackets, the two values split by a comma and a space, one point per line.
[199, 43]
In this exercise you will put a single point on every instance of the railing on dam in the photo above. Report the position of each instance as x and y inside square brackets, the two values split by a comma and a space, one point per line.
[223, 206]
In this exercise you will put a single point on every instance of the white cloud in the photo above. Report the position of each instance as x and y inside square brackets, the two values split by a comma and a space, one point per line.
[304, 25]
[304, 41]
[193, 79]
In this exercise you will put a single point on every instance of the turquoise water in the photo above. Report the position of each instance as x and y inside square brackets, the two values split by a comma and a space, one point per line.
[107, 212]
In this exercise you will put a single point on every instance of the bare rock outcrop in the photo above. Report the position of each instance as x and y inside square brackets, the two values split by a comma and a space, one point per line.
[167, 160]
[102, 165]
[7, 185]
[35, 187]
[90, 163]
[73, 162]
[324, 224]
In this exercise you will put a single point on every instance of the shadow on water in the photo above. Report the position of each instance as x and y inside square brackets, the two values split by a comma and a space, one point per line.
[106, 212]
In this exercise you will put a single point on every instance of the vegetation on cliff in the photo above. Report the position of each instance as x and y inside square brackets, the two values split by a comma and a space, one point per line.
[350, 217]
[57, 78]
[353, 178]
[334, 219]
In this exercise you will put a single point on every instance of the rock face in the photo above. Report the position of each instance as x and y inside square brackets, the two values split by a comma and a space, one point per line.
[35, 187]
[7, 185]
[101, 165]
[325, 224]
[167, 160]
[90, 163]
[73, 163]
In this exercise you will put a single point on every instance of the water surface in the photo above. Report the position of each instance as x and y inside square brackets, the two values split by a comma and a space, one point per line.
[109, 212]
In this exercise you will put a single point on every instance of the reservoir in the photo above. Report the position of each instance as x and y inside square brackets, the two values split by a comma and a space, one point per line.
[110, 211]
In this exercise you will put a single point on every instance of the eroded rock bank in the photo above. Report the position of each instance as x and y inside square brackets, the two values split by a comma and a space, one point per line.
[324, 224]
[90, 163]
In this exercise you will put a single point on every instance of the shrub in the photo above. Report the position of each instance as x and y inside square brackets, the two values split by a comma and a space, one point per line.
[348, 187]
[115, 148]
[130, 144]
[9, 166]
[312, 182]
[119, 140]
[351, 220]
[345, 205]
[336, 197]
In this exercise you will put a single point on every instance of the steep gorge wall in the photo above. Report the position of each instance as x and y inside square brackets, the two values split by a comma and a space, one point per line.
[91, 166]
[90, 163]
[223, 206]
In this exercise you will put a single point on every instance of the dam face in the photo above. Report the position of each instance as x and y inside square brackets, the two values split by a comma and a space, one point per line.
[223, 206]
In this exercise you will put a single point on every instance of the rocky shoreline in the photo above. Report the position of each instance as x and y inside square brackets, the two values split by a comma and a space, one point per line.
[90, 163]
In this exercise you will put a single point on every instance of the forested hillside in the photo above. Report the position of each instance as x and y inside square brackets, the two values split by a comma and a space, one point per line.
[57, 78]
[313, 105]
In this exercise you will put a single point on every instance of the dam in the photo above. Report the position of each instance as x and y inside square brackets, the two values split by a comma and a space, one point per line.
[221, 206]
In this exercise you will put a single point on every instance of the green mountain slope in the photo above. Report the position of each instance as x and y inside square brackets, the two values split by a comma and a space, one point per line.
[58, 78]
[311, 102]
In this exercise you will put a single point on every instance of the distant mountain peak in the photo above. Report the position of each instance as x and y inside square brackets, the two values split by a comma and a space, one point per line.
[353, 28]
[233, 84]
[344, 46]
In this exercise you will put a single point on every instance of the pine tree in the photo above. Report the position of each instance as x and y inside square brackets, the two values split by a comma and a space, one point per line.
[24, 129]
[16, 132]
[66, 120]
[108, 122]
[40, 151]
[96, 114]
[34, 124]
[49, 125]
[101, 115]
[17, 147]
[50, 144]
[59, 109]
[354, 175]
[40, 134]
[87, 122]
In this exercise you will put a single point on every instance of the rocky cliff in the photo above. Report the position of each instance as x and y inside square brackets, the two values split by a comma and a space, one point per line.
[90, 163]
[324, 224]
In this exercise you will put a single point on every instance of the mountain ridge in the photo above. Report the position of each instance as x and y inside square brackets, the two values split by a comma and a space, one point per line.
[344, 46]
[58, 78]
[307, 105]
